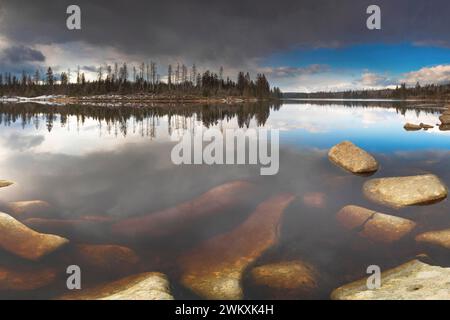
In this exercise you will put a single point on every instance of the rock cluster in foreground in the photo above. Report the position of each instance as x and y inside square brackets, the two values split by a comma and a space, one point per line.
[144, 286]
[352, 158]
[413, 280]
[214, 269]
[405, 191]
[375, 226]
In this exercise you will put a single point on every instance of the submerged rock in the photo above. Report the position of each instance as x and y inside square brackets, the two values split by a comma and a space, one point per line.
[28, 208]
[315, 200]
[81, 229]
[413, 280]
[412, 127]
[168, 221]
[440, 238]
[214, 269]
[405, 191]
[143, 286]
[375, 226]
[285, 280]
[5, 183]
[352, 158]
[107, 259]
[24, 280]
[24, 242]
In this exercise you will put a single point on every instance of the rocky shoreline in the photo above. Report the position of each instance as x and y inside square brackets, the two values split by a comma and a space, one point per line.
[443, 126]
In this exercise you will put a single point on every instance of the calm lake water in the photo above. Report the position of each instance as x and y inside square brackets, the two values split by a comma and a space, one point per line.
[115, 162]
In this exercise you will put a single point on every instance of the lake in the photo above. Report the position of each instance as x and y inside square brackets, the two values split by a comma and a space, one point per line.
[114, 162]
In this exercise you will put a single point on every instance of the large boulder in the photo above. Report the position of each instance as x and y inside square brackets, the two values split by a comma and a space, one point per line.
[24, 242]
[285, 280]
[20, 279]
[413, 280]
[5, 183]
[439, 238]
[405, 191]
[214, 269]
[352, 158]
[143, 286]
[171, 220]
[375, 226]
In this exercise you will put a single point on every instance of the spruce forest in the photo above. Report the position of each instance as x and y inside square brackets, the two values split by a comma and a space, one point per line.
[120, 80]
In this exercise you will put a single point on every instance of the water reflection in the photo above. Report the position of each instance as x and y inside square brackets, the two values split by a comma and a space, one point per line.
[117, 119]
[84, 173]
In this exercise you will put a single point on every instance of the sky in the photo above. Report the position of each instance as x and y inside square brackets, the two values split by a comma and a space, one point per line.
[301, 45]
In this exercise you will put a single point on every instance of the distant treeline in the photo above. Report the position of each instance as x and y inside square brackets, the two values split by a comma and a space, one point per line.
[144, 80]
[432, 91]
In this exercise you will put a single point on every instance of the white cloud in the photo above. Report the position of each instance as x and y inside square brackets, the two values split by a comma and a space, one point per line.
[375, 80]
[439, 74]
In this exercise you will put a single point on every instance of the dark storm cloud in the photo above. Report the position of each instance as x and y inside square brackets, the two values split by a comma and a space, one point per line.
[90, 68]
[226, 31]
[22, 54]
[283, 72]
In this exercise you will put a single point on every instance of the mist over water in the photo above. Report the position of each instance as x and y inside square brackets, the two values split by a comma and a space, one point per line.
[115, 162]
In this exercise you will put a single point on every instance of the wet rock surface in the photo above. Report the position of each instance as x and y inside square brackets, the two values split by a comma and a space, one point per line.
[439, 238]
[414, 280]
[352, 158]
[214, 269]
[375, 226]
[405, 191]
[144, 286]
[285, 280]
[24, 242]
[111, 260]
[19, 279]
